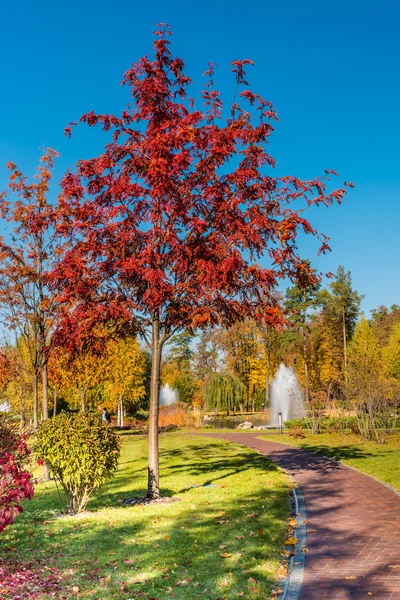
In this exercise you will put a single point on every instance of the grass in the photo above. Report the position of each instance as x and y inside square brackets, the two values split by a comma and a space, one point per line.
[219, 542]
[380, 461]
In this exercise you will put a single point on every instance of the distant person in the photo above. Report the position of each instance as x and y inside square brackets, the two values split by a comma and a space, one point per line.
[106, 417]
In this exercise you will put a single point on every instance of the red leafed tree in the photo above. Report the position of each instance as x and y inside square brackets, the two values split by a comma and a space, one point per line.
[28, 249]
[170, 222]
[15, 481]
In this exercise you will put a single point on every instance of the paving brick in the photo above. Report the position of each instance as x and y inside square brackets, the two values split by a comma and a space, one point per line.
[353, 525]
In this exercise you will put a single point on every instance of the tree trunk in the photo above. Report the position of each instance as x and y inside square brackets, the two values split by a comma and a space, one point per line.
[328, 393]
[45, 392]
[267, 380]
[45, 410]
[22, 423]
[82, 394]
[120, 413]
[305, 374]
[55, 402]
[344, 344]
[35, 401]
[153, 487]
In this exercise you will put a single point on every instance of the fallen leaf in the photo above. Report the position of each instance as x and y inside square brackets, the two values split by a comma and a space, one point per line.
[277, 592]
[167, 538]
[291, 541]
[225, 555]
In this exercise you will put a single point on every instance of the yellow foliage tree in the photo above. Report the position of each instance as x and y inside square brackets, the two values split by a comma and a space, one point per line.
[125, 370]
[18, 383]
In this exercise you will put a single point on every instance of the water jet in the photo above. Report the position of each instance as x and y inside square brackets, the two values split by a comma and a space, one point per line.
[286, 396]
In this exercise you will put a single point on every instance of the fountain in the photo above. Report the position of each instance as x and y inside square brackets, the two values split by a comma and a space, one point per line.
[286, 396]
[167, 395]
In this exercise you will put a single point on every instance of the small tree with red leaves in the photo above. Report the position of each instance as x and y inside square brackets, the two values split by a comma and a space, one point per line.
[29, 249]
[15, 481]
[169, 222]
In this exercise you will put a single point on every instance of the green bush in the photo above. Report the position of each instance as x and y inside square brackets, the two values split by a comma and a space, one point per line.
[292, 423]
[81, 452]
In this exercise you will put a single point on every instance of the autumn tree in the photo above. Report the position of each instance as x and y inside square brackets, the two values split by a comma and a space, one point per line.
[383, 320]
[247, 352]
[343, 304]
[124, 374]
[391, 353]
[168, 224]
[176, 368]
[18, 381]
[270, 341]
[27, 251]
[85, 370]
[206, 355]
[59, 375]
[373, 395]
[326, 354]
[223, 392]
[300, 301]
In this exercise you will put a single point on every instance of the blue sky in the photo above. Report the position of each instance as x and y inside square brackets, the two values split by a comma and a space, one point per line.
[331, 70]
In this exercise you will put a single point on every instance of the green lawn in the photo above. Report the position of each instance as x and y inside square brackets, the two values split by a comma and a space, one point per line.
[380, 461]
[218, 542]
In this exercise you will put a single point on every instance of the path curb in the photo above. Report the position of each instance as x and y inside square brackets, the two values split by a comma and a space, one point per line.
[294, 580]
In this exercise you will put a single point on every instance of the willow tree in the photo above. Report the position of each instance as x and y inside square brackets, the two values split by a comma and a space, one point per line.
[224, 392]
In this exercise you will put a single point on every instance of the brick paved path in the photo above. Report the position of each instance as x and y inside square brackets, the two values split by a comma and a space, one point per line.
[353, 525]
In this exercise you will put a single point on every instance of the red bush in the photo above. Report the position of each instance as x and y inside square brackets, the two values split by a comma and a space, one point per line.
[15, 481]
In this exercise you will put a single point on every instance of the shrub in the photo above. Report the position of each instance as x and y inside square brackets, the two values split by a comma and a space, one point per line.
[15, 481]
[296, 432]
[179, 414]
[81, 452]
[292, 423]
